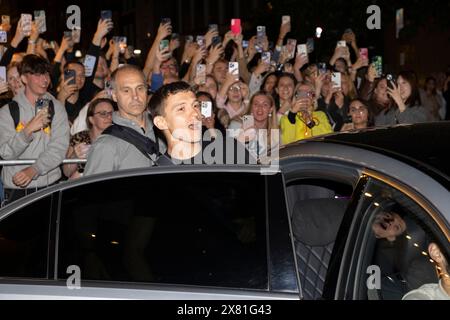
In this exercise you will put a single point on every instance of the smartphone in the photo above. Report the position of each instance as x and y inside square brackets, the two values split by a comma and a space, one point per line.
[123, 44]
[166, 20]
[245, 44]
[76, 34]
[200, 41]
[247, 121]
[266, 57]
[3, 36]
[290, 45]
[39, 17]
[364, 53]
[175, 36]
[6, 19]
[217, 40]
[302, 49]
[310, 44]
[390, 79]
[41, 104]
[336, 79]
[341, 43]
[69, 74]
[260, 34]
[235, 26]
[89, 63]
[206, 108]
[68, 34]
[233, 68]
[213, 27]
[322, 68]
[378, 64]
[26, 23]
[106, 14]
[163, 45]
[200, 72]
[189, 38]
[285, 19]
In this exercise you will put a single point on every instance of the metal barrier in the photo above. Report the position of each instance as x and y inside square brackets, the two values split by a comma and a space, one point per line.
[22, 162]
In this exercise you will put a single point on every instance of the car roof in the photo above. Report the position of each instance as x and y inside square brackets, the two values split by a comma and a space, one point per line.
[424, 145]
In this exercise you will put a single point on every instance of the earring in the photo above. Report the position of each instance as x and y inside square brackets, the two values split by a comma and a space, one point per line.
[270, 115]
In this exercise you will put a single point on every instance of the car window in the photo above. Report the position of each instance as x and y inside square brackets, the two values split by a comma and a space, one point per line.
[24, 238]
[317, 208]
[396, 256]
[204, 229]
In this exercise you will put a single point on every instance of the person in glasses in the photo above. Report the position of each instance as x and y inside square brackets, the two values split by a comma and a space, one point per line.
[99, 117]
[303, 120]
[230, 99]
[360, 116]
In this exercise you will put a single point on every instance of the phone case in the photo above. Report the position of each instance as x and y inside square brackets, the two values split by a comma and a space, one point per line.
[201, 73]
[236, 26]
[233, 68]
[39, 16]
[336, 78]
[3, 36]
[342, 43]
[206, 109]
[89, 62]
[285, 19]
[26, 23]
[106, 14]
[248, 121]
[265, 57]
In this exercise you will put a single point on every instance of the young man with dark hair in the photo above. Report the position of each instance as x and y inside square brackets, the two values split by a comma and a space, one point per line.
[176, 112]
[28, 132]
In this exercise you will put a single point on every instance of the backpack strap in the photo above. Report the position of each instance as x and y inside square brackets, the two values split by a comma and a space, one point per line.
[144, 144]
[15, 113]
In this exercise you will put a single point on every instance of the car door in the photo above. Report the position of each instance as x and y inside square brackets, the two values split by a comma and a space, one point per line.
[193, 234]
[321, 198]
[26, 234]
[387, 254]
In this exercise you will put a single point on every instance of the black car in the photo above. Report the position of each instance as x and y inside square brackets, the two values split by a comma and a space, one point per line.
[344, 216]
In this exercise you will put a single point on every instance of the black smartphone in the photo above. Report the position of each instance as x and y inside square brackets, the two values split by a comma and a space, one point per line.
[166, 21]
[390, 79]
[217, 40]
[106, 14]
[69, 74]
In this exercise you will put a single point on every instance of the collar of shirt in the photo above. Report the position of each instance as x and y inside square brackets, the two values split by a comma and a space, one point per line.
[117, 118]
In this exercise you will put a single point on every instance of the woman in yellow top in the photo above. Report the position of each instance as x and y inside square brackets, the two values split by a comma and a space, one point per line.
[303, 121]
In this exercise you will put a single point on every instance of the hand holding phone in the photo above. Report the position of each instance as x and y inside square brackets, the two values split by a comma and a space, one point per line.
[364, 53]
[26, 20]
[70, 74]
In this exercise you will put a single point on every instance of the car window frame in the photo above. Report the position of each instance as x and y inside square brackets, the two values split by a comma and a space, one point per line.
[172, 170]
[360, 233]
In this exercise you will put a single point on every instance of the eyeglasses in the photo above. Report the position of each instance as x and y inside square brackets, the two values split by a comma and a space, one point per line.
[359, 109]
[235, 88]
[104, 114]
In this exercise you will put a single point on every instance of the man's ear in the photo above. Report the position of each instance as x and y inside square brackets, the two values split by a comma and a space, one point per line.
[23, 78]
[113, 94]
[161, 123]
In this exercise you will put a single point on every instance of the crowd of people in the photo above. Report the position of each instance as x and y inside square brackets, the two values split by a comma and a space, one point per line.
[107, 108]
